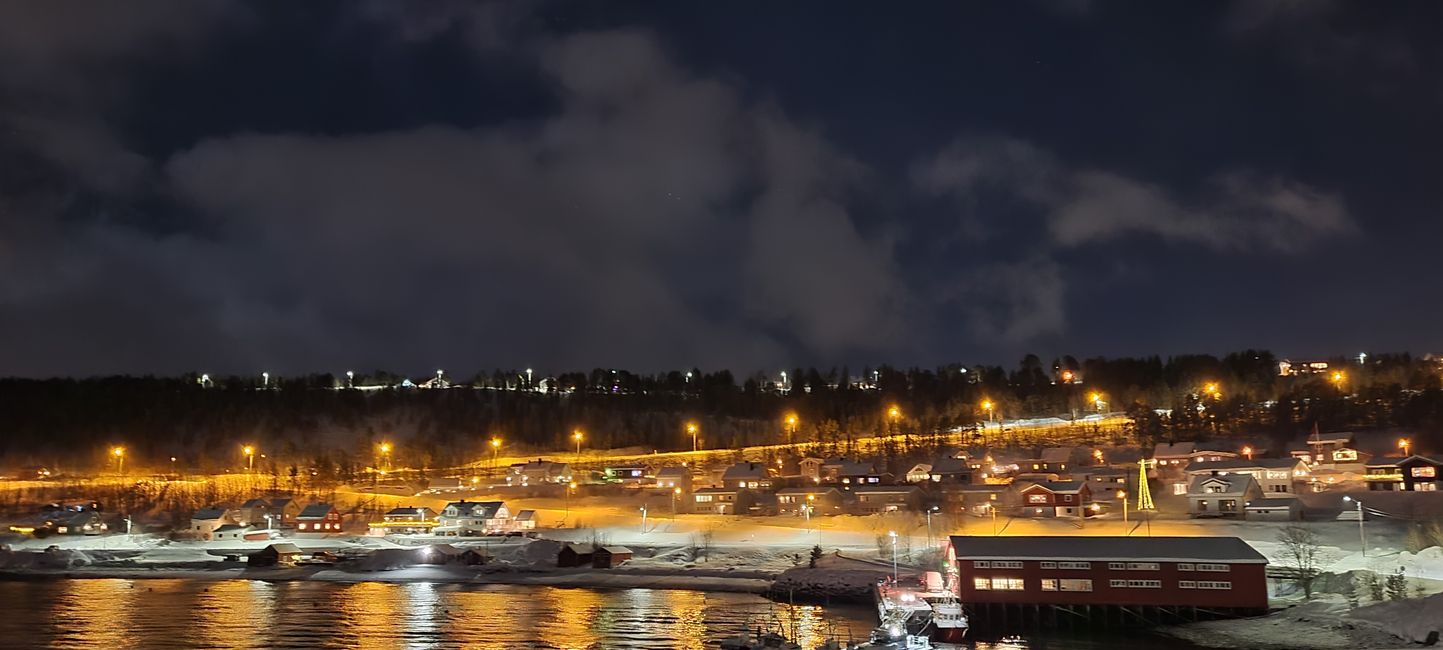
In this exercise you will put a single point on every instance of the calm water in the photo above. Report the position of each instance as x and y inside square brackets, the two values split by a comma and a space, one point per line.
[114, 614]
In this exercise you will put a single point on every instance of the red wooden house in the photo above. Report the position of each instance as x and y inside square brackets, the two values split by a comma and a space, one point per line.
[1058, 499]
[1178, 576]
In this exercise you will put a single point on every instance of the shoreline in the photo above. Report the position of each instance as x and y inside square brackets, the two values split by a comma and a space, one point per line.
[438, 574]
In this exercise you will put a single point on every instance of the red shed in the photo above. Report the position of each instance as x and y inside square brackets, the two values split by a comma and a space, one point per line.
[607, 557]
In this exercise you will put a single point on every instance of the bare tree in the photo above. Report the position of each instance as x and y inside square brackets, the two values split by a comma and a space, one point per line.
[1300, 548]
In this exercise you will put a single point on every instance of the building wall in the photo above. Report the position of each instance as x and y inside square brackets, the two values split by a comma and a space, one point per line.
[1248, 586]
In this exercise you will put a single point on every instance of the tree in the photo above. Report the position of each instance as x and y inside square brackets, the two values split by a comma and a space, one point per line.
[1300, 549]
[1397, 585]
[816, 555]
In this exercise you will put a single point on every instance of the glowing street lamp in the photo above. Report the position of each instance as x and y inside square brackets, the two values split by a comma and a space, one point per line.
[1096, 399]
[791, 422]
[675, 493]
[250, 454]
[1404, 444]
[119, 453]
[1067, 376]
[1248, 451]
[1122, 494]
[350, 379]
[987, 405]
[265, 380]
[1338, 378]
[570, 487]
[495, 452]
[577, 436]
[385, 448]
[1212, 390]
[1362, 535]
[692, 429]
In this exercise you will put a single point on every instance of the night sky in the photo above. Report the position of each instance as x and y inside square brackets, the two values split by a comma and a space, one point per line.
[315, 186]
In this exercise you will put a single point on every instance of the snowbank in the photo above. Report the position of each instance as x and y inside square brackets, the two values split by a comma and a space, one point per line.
[1420, 621]
[50, 558]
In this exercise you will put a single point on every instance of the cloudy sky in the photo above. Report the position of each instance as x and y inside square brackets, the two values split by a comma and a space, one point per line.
[211, 185]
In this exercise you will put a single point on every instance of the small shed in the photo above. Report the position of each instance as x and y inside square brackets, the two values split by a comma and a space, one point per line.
[607, 557]
[440, 554]
[1281, 509]
[574, 555]
[282, 554]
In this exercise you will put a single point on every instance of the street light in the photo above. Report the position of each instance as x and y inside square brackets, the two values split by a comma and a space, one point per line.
[577, 436]
[119, 454]
[1212, 390]
[987, 406]
[1122, 494]
[250, 453]
[350, 379]
[893, 535]
[643, 519]
[1096, 399]
[265, 380]
[1362, 535]
[385, 448]
[692, 428]
[1248, 451]
[675, 492]
[1404, 444]
[570, 487]
[791, 421]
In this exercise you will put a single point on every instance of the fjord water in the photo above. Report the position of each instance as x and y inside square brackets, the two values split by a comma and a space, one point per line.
[178, 613]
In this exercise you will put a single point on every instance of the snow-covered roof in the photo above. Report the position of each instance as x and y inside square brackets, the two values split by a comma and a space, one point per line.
[478, 509]
[1230, 484]
[948, 465]
[745, 471]
[1107, 548]
[615, 550]
[409, 511]
[1062, 487]
[1234, 464]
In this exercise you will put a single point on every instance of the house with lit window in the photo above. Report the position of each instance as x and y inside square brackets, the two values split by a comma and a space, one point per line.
[627, 475]
[978, 500]
[1171, 461]
[1276, 477]
[720, 501]
[670, 478]
[948, 469]
[819, 500]
[473, 518]
[920, 473]
[322, 518]
[1416, 473]
[283, 511]
[537, 472]
[1222, 495]
[872, 499]
[1057, 499]
[406, 520]
[811, 468]
[747, 476]
[72, 521]
[1086, 575]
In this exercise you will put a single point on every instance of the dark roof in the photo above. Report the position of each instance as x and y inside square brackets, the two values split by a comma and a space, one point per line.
[885, 489]
[230, 527]
[284, 548]
[1173, 449]
[408, 512]
[1243, 463]
[1158, 549]
[821, 489]
[745, 471]
[256, 503]
[481, 509]
[315, 511]
[947, 465]
[209, 513]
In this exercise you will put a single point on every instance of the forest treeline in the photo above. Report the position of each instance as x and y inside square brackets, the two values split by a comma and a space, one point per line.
[318, 419]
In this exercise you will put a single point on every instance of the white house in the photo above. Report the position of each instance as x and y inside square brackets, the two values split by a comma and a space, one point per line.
[472, 518]
[206, 520]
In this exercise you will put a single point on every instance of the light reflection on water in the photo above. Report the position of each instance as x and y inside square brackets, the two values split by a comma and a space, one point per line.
[117, 614]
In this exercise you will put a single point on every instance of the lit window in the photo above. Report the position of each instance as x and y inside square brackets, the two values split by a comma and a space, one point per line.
[302, 526]
[1007, 584]
[1049, 584]
[981, 584]
[1425, 472]
[1073, 584]
[1037, 498]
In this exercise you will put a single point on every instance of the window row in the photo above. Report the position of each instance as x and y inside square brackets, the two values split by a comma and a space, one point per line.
[1133, 566]
[1066, 584]
[1215, 568]
[1067, 565]
[997, 584]
[1135, 584]
[996, 564]
[1203, 584]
